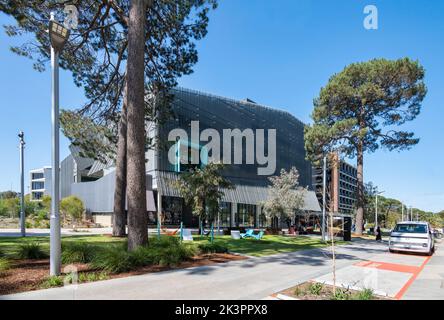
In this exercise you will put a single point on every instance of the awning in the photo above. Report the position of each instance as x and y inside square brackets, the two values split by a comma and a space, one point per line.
[240, 194]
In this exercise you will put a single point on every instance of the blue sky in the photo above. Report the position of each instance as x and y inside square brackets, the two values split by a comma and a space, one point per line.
[278, 53]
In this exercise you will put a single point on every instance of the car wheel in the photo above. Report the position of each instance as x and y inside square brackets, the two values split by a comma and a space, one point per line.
[391, 251]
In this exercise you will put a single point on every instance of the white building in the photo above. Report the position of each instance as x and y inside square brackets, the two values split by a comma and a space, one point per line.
[40, 183]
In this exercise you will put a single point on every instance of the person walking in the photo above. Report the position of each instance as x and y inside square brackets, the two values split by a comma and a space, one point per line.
[378, 233]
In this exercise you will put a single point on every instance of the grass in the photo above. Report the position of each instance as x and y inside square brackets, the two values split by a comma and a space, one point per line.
[269, 245]
[10, 245]
[31, 250]
[80, 252]
[5, 265]
[52, 281]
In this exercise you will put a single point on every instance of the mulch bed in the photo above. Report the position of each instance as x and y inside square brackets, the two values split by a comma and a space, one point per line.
[301, 292]
[28, 275]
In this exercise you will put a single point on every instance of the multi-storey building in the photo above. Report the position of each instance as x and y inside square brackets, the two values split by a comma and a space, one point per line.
[341, 185]
[40, 183]
[241, 206]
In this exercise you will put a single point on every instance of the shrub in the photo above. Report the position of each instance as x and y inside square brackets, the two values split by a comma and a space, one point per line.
[341, 294]
[114, 259]
[4, 265]
[52, 281]
[80, 252]
[164, 251]
[366, 294]
[31, 250]
[72, 207]
[316, 288]
[212, 248]
[93, 276]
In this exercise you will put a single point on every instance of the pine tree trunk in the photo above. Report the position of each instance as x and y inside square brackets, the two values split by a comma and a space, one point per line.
[360, 195]
[136, 173]
[119, 221]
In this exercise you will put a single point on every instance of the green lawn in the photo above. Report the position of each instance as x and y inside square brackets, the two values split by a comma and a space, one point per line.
[269, 245]
[9, 245]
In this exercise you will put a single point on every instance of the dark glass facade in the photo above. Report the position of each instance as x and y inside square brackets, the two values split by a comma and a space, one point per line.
[225, 215]
[246, 215]
[221, 113]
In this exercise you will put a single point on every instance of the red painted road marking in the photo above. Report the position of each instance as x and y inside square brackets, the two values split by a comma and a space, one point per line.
[388, 266]
[412, 278]
[414, 270]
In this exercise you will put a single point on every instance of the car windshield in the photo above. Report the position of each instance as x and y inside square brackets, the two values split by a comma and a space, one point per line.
[411, 228]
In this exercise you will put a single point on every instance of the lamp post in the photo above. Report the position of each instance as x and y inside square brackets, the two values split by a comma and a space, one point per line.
[58, 35]
[22, 185]
[324, 186]
[376, 209]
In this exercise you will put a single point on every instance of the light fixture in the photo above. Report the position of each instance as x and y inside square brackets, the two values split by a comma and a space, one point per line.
[58, 35]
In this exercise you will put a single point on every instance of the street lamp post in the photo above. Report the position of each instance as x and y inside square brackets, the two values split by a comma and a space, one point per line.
[324, 186]
[58, 35]
[376, 209]
[22, 184]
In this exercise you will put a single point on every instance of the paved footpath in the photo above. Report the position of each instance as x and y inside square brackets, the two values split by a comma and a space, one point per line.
[255, 278]
[429, 284]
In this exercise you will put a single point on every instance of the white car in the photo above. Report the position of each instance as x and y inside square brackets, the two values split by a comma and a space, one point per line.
[412, 237]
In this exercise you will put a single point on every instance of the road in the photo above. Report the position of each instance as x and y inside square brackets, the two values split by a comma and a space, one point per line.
[255, 278]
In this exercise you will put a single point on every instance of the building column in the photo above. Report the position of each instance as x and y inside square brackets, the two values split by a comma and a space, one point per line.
[159, 207]
[233, 214]
[258, 214]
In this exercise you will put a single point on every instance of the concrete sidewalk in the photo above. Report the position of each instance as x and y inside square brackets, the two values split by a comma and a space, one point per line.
[429, 284]
[255, 278]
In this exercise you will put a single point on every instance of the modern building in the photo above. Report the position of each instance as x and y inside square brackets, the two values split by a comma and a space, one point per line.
[341, 188]
[40, 183]
[192, 116]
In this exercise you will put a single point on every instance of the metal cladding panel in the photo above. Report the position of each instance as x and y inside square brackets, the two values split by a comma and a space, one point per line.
[97, 196]
[240, 194]
[221, 113]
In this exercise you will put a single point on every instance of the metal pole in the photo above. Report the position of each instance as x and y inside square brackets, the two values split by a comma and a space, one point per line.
[55, 245]
[402, 212]
[376, 212]
[22, 186]
[324, 186]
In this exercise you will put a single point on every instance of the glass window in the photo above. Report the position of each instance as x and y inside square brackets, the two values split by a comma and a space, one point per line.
[37, 175]
[263, 223]
[38, 185]
[246, 215]
[411, 228]
[225, 215]
[172, 210]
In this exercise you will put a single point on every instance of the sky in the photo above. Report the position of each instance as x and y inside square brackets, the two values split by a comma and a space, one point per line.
[277, 53]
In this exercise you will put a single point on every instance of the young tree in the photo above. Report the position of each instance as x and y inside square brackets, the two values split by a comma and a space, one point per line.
[286, 197]
[72, 208]
[201, 189]
[98, 55]
[360, 110]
